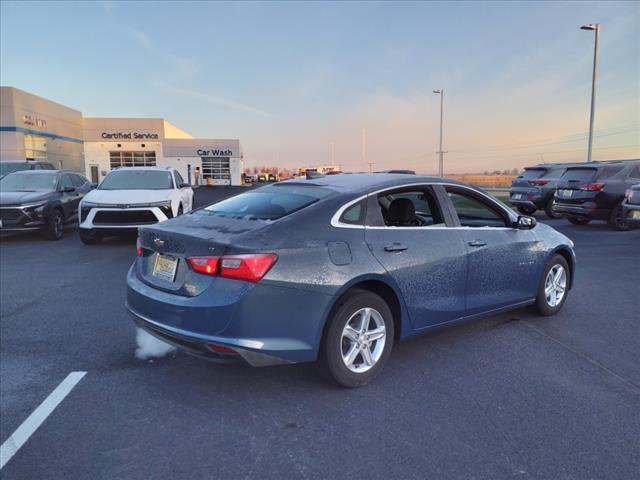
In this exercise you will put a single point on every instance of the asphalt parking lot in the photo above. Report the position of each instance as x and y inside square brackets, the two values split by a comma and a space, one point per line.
[511, 396]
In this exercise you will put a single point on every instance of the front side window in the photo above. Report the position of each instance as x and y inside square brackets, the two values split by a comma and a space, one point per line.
[78, 181]
[65, 181]
[409, 208]
[137, 180]
[179, 179]
[268, 203]
[473, 212]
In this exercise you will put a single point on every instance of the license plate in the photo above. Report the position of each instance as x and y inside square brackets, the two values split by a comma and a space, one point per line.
[635, 214]
[566, 193]
[165, 267]
[517, 196]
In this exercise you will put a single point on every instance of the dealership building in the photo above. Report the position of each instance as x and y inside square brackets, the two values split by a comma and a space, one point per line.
[34, 128]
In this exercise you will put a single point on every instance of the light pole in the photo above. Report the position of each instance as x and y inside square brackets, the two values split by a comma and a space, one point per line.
[440, 152]
[596, 28]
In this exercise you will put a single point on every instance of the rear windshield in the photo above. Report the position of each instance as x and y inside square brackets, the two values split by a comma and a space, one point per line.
[137, 180]
[554, 173]
[28, 182]
[268, 203]
[579, 174]
[532, 173]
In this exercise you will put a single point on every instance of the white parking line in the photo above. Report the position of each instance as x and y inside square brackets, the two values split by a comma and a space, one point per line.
[39, 415]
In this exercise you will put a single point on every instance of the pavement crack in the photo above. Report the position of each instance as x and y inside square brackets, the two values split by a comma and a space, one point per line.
[632, 385]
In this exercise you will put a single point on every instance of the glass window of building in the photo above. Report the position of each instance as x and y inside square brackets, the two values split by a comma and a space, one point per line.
[132, 159]
[35, 147]
[216, 168]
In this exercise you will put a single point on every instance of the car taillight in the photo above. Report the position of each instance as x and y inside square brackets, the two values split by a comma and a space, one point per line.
[592, 187]
[204, 265]
[250, 268]
[139, 248]
[538, 183]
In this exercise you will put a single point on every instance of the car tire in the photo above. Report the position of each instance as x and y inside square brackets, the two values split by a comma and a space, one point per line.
[526, 210]
[554, 287]
[90, 237]
[548, 209]
[180, 210]
[54, 228]
[353, 356]
[616, 221]
[579, 220]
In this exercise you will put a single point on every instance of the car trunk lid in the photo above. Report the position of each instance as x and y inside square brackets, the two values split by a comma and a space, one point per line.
[165, 248]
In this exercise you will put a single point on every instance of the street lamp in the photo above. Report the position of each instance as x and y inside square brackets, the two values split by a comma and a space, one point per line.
[596, 28]
[440, 152]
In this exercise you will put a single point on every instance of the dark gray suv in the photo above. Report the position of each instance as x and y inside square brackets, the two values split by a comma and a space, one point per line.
[41, 200]
[535, 187]
[596, 191]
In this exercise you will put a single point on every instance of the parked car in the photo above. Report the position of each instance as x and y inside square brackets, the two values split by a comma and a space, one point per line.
[534, 189]
[41, 200]
[250, 178]
[595, 191]
[9, 166]
[263, 177]
[130, 197]
[339, 268]
[631, 206]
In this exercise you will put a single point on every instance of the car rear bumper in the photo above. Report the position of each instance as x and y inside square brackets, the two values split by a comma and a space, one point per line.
[263, 324]
[588, 211]
[526, 197]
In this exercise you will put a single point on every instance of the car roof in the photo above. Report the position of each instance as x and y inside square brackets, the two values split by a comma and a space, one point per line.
[45, 172]
[362, 182]
[606, 163]
[160, 169]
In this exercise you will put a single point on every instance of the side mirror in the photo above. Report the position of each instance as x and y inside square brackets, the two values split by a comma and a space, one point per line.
[184, 185]
[525, 222]
[68, 189]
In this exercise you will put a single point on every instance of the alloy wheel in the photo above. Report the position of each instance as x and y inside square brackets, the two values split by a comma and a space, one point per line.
[363, 339]
[555, 285]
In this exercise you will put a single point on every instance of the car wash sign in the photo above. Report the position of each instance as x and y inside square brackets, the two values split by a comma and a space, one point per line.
[214, 152]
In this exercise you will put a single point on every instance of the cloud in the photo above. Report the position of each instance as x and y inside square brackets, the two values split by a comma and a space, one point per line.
[183, 65]
[212, 99]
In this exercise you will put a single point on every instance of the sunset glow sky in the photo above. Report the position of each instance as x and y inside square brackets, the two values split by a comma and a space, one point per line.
[289, 79]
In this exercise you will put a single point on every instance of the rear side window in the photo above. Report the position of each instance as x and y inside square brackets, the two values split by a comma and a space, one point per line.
[409, 208]
[579, 174]
[354, 215]
[268, 203]
[635, 172]
[532, 173]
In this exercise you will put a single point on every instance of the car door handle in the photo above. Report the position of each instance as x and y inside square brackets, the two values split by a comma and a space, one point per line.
[477, 243]
[395, 247]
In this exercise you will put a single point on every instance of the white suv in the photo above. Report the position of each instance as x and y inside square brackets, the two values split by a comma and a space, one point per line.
[130, 197]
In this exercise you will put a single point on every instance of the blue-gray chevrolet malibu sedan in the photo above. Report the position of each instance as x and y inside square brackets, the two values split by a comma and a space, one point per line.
[337, 269]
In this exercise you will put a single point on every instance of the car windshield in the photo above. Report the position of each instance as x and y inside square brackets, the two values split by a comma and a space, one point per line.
[137, 180]
[8, 167]
[268, 203]
[28, 182]
[579, 174]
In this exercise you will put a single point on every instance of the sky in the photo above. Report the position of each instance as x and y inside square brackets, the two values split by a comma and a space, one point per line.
[296, 80]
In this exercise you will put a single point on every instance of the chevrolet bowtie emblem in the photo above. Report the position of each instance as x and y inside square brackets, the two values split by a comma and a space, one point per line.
[158, 243]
